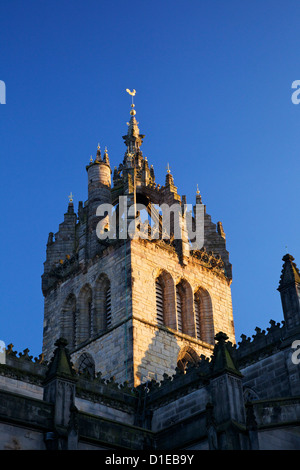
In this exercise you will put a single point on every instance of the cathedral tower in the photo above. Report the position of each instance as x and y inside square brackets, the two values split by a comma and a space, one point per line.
[134, 296]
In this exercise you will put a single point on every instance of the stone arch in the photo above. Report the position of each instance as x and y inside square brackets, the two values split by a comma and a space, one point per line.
[204, 320]
[84, 314]
[167, 285]
[249, 394]
[102, 303]
[185, 308]
[86, 364]
[68, 319]
[186, 355]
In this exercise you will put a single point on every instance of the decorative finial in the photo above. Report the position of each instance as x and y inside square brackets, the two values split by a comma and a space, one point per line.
[105, 158]
[98, 157]
[198, 196]
[91, 159]
[132, 93]
[70, 198]
[168, 168]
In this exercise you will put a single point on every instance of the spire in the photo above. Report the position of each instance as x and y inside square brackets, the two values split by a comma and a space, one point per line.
[98, 155]
[222, 360]
[133, 139]
[71, 205]
[169, 177]
[60, 364]
[289, 288]
[106, 158]
[290, 273]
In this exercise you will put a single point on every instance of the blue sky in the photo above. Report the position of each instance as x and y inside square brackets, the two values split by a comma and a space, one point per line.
[213, 83]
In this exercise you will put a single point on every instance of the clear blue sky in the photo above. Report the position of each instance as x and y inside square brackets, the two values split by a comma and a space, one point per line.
[213, 81]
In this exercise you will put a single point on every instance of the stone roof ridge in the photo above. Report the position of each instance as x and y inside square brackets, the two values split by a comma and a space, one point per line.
[24, 355]
[260, 334]
[199, 369]
[262, 341]
[111, 383]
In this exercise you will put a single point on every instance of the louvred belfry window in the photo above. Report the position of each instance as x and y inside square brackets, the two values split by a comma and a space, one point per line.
[108, 307]
[197, 317]
[159, 302]
[179, 310]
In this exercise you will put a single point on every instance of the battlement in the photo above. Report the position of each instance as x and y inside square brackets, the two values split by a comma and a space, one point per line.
[263, 343]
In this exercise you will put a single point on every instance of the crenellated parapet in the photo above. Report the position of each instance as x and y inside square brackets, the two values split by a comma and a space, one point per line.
[23, 367]
[59, 272]
[209, 259]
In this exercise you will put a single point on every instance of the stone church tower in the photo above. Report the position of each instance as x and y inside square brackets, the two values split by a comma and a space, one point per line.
[134, 307]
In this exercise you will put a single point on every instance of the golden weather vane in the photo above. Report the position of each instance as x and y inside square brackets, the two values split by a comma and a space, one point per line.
[132, 93]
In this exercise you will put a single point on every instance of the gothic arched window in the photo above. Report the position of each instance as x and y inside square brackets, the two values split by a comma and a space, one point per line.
[103, 311]
[186, 356]
[179, 305]
[197, 306]
[68, 314]
[159, 290]
[108, 307]
[204, 316]
[184, 308]
[165, 300]
[84, 320]
[86, 364]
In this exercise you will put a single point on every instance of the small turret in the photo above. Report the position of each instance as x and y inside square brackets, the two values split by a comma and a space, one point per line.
[99, 192]
[99, 174]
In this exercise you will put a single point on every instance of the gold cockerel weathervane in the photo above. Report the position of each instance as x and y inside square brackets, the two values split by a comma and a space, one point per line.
[132, 93]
